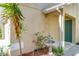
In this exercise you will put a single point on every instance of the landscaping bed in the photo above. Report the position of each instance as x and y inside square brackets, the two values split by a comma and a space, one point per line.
[38, 52]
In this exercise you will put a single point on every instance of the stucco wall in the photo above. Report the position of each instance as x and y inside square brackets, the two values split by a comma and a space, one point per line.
[73, 10]
[33, 22]
[36, 21]
[52, 25]
[52, 22]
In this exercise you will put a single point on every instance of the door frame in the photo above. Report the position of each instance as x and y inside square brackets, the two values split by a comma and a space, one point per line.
[68, 21]
[69, 17]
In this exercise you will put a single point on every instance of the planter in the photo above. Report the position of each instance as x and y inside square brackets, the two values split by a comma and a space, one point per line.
[37, 52]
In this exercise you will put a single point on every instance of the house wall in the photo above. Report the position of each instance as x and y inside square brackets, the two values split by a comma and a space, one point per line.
[36, 21]
[73, 10]
[52, 25]
[33, 22]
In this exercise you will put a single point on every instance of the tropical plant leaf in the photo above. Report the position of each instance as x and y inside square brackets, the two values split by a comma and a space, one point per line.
[11, 10]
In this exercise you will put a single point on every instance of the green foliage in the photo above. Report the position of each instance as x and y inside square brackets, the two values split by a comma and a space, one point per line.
[4, 50]
[12, 11]
[58, 51]
[40, 40]
[1, 51]
[0, 32]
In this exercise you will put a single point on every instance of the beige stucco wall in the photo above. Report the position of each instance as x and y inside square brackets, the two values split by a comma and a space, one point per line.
[36, 21]
[33, 22]
[52, 25]
[73, 10]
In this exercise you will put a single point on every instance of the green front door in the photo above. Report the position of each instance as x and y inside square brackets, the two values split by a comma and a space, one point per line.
[68, 30]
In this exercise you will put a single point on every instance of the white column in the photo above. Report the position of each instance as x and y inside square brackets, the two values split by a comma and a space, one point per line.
[61, 27]
[6, 31]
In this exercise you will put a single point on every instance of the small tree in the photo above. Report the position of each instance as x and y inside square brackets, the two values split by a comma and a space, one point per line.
[12, 12]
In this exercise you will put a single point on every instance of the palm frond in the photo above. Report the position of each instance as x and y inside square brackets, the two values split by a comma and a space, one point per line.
[11, 10]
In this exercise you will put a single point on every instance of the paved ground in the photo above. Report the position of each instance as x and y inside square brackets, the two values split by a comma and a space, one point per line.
[72, 51]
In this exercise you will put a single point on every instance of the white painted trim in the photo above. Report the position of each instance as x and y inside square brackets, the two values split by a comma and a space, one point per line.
[53, 8]
[6, 39]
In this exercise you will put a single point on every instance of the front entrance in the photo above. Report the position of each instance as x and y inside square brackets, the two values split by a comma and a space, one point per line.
[68, 30]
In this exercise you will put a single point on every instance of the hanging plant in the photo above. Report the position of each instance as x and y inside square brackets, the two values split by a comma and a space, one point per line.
[12, 12]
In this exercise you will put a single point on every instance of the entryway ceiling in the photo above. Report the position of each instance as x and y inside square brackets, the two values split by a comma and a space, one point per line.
[42, 6]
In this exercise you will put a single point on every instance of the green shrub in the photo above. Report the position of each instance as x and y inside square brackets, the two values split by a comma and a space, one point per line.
[40, 40]
[58, 51]
[4, 50]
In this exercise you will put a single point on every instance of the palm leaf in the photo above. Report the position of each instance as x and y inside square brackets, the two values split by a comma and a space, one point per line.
[11, 10]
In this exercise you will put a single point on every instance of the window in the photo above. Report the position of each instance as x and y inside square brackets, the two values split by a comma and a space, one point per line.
[1, 31]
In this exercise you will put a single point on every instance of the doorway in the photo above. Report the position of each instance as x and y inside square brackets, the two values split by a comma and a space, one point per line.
[68, 30]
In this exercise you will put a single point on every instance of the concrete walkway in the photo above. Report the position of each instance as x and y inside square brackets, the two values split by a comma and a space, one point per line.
[72, 51]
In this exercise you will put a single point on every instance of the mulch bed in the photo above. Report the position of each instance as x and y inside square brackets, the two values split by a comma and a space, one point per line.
[40, 52]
